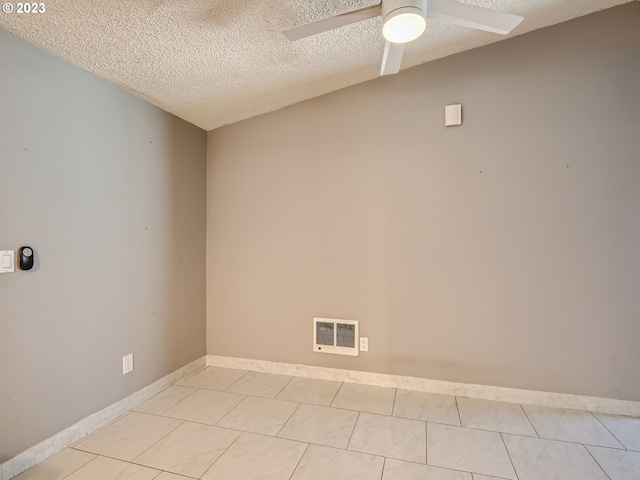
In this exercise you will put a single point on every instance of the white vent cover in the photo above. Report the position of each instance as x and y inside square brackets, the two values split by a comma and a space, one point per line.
[331, 335]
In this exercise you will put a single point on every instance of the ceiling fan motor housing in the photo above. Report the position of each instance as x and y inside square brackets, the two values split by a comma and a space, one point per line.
[395, 9]
[389, 6]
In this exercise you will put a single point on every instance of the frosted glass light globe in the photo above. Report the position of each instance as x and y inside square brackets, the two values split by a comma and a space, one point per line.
[404, 25]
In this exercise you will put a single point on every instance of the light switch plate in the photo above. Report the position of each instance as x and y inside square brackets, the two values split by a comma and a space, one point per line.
[453, 115]
[7, 261]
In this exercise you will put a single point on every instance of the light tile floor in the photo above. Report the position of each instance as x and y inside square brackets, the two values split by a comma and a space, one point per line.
[224, 424]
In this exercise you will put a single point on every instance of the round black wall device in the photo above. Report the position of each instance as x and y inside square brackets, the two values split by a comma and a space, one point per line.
[26, 258]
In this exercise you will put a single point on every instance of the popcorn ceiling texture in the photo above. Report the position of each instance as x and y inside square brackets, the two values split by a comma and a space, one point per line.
[215, 62]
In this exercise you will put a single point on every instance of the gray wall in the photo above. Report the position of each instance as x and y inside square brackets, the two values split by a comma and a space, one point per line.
[502, 252]
[110, 192]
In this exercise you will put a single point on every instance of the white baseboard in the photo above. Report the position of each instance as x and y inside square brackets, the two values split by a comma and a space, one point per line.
[88, 425]
[502, 394]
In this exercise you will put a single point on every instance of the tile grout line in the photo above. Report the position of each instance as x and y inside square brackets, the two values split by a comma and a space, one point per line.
[159, 440]
[160, 470]
[110, 457]
[393, 406]
[241, 377]
[530, 422]
[458, 409]
[224, 415]
[288, 419]
[175, 404]
[509, 454]
[335, 394]
[193, 374]
[98, 430]
[426, 443]
[420, 464]
[352, 431]
[607, 429]
[186, 420]
[284, 386]
[535, 438]
[299, 461]
[558, 439]
[597, 463]
[81, 466]
[221, 455]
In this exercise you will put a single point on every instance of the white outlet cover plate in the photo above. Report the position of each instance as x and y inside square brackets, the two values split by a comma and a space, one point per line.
[127, 364]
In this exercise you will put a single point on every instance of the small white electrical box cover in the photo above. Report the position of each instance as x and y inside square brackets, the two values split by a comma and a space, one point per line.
[453, 115]
[7, 261]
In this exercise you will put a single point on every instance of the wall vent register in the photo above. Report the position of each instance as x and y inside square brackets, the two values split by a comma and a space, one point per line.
[335, 336]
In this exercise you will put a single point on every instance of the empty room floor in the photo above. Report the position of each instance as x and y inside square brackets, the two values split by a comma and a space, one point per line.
[233, 424]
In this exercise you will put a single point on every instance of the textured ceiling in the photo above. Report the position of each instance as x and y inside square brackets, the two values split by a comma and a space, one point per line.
[214, 62]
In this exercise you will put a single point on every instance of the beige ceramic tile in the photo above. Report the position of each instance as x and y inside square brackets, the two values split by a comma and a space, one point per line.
[467, 449]
[399, 438]
[496, 416]
[322, 425]
[617, 464]
[189, 450]
[324, 463]
[165, 400]
[429, 407]
[540, 459]
[257, 457]
[625, 429]
[57, 466]
[129, 436]
[260, 384]
[570, 426]
[365, 398]
[477, 476]
[399, 470]
[103, 468]
[171, 476]
[311, 391]
[215, 378]
[204, 406]
[259, 415]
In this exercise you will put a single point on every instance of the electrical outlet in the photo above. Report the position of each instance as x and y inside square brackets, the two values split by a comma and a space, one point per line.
[127, 364]
[364, 344]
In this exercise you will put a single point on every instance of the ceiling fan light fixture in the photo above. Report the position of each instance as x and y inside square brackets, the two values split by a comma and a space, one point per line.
[404, 25]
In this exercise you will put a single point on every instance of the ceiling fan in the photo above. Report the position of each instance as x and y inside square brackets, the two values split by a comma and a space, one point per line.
[405, 20]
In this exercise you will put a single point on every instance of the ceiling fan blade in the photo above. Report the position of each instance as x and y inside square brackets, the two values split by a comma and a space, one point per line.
[330, 23]
[449, 11]
[392, 58]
